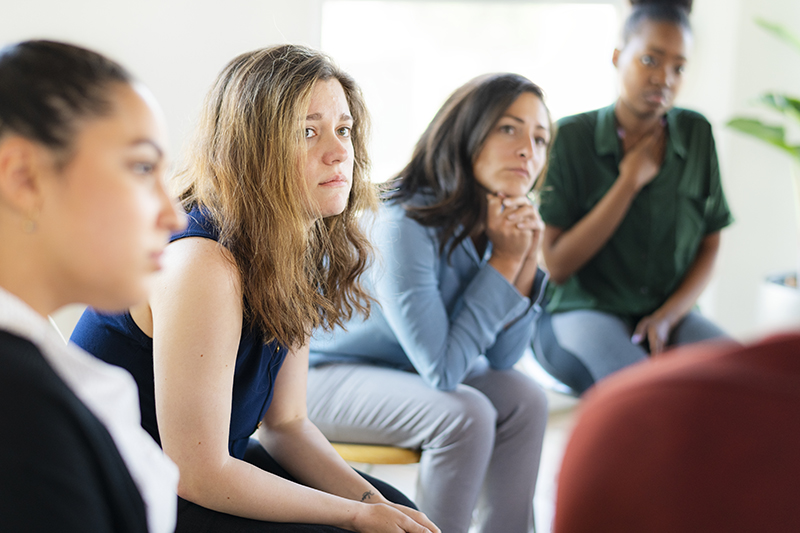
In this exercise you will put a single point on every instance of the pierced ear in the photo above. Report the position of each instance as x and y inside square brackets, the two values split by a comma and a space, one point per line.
[615, 57]
[20, 174]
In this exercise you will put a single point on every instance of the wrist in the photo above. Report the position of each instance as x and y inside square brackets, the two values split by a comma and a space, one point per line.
[670, 316]
[371, 496]
[508, 267]
[628, 182]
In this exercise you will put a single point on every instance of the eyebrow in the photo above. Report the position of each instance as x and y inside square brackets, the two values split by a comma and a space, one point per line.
[148, 142]
[318, 116]
[518, 119]
[664, 52]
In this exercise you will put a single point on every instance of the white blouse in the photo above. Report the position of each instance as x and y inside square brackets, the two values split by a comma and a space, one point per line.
[111, 395]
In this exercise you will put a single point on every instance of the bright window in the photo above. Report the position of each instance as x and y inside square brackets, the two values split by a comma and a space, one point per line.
[409, 56]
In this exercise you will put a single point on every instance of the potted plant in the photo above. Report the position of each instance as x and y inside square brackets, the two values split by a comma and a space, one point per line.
[780, 298]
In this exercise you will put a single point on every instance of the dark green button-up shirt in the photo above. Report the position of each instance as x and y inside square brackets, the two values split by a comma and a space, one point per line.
[646, 258]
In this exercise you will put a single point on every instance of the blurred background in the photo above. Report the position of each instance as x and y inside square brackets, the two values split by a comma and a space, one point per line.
[409, 55]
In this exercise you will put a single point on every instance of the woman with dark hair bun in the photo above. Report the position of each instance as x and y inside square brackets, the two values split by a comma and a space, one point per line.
[84, 217]
[633, 210]
[431, 368]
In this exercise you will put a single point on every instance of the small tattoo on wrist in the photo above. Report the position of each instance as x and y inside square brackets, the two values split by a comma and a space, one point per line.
[366, 496]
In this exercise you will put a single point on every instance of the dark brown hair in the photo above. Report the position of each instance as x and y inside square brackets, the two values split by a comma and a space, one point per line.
[46, 87]
[442, 163]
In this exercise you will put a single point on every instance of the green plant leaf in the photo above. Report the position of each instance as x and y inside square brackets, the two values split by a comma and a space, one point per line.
[782, 103]
[780, 32]
[751, 126]
[774, 135]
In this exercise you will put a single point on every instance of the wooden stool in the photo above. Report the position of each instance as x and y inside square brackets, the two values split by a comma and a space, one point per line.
[376, 454]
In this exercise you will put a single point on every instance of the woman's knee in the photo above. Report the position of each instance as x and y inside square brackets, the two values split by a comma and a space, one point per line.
[518, 400]
[466, 413]
[531, 399]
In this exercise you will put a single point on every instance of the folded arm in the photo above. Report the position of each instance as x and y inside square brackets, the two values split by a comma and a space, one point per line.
[442, 342]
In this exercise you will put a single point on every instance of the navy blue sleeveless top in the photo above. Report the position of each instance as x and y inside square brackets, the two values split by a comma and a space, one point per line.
[117, 339]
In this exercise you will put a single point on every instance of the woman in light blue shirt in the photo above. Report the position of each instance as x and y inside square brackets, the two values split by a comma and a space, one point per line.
[457, 284]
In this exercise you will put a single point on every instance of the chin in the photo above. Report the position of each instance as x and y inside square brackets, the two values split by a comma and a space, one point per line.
[119, 303]
[331, 209]
[512, 192]
[328, 214]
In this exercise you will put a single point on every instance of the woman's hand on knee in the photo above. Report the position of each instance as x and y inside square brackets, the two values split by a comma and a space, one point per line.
[391, 518]
[655, 329]
[418, 516]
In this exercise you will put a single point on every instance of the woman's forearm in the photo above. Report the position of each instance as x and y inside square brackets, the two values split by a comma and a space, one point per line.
[567, 251]
[241, 489]
[306, 454]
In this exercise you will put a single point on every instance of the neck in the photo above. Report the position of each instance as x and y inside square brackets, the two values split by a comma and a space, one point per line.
[632, 122]
[479, 238]
[22, 274]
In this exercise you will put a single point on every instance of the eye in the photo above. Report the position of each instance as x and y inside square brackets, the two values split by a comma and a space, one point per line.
[344, 131]
[143, 168]
[309, 132]
[507, 128]
[648, 60]
[541, 141]
[680, 69]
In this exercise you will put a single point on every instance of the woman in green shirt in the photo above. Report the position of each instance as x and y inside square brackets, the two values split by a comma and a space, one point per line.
[633, 208]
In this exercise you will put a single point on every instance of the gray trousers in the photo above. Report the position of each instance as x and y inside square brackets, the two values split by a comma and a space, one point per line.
[602, 341]
[480, 443]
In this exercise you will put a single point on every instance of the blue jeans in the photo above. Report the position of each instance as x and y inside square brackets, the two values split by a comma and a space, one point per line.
[602, 341]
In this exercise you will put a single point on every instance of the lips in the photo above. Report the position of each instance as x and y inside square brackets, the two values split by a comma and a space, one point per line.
[155, 259]
[335, 181]
[523, 172]
[657, 97]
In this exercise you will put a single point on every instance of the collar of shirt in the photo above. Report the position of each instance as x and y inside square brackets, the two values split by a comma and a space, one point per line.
[111, 395]
[606, 136]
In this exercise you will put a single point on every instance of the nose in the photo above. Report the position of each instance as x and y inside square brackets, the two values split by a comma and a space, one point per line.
[526, 149]
[662, 77]
[335, 150]
[171, 217]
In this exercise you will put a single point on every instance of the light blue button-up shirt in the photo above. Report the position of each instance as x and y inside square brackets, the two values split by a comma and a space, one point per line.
[436, 315]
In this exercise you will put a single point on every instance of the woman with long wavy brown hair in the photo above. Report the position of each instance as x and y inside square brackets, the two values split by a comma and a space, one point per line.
[274, 185]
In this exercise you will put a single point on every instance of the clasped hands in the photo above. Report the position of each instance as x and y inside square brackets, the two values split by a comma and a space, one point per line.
[514, 228]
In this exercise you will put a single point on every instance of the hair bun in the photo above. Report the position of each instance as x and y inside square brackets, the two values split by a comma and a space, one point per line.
[685, 4]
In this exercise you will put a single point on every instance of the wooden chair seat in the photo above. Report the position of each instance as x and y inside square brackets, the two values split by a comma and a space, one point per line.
[376, 454]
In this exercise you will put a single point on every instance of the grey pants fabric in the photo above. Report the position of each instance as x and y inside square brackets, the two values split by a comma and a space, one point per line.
[480, 443]
[602, 341]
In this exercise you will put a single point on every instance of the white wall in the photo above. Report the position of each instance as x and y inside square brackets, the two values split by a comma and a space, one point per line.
[734, 61]
[178, 46]
[175, 46]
